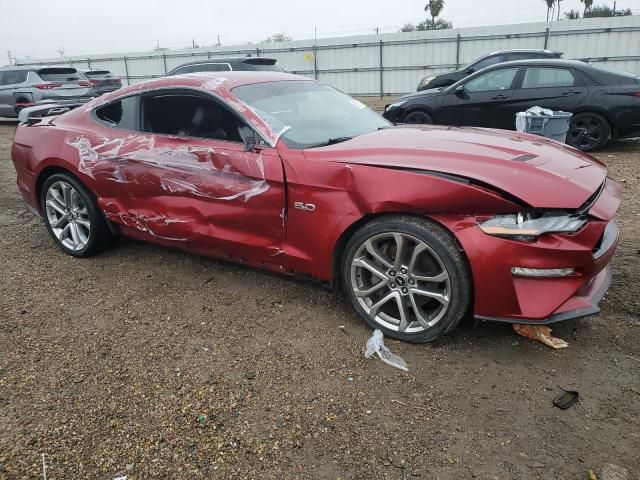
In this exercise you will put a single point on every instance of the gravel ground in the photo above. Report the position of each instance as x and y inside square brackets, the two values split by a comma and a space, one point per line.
[154, 363]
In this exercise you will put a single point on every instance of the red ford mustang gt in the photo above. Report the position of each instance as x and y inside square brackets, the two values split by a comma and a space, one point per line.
[419, 224]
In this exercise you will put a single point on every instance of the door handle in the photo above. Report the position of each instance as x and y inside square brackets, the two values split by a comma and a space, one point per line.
[572, 92]
[500, 97]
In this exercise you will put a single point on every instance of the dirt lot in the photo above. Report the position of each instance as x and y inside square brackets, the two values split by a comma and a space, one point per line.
[154, 363]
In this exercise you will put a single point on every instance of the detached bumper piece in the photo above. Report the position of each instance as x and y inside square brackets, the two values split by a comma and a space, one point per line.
[584, 303]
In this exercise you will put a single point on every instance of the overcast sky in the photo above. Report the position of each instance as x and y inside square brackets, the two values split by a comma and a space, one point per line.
[40, 28]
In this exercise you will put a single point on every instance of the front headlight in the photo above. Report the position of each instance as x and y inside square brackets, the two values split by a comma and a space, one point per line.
[530, 225]
[395, 104]
[425, 81]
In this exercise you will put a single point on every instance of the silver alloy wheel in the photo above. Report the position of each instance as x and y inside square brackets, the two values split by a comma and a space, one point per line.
[401, 282]
[67, 215]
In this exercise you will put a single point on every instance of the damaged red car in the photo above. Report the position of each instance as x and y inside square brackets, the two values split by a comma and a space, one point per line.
[420, 225]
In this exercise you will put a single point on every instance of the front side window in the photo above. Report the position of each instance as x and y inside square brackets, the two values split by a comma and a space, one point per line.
[121, 114]
[548, 77]
[309, 114]
[189, 115]
[500, 79]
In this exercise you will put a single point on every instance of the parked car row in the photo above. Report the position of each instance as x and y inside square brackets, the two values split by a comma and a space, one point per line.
[28, 86]
[605, 103]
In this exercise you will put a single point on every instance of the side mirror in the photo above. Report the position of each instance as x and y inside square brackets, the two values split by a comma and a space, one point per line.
[459, 90]
[249, 137]
[250, 143]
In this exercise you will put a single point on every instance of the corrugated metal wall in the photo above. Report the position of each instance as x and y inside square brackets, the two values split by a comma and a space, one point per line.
[393, 64]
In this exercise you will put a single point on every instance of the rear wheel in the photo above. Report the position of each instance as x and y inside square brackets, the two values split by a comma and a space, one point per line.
[72, 216]
[406, 277]
[588, 131]
[418, 117]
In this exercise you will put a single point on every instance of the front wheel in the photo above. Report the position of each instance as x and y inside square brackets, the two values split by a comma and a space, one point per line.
[418, 117]
[72, 216]
[406, 277]
[588, 131]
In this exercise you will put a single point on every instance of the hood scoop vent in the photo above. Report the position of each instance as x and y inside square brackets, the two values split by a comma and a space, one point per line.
[524, 158]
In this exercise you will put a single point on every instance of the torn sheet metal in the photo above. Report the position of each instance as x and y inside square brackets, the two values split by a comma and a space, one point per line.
[116, 152]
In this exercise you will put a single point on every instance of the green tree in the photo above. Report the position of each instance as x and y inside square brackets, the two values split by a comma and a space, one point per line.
[408, 27]
[437, 24]
[604, 11]
[587, 6]
[434, 7]
[277, 38]
[572, 14]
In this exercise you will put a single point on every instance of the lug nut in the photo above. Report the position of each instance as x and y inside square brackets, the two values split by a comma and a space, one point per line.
[393, 285]
[411, 281]
[404, 290]
[403, 270]
[392, 273]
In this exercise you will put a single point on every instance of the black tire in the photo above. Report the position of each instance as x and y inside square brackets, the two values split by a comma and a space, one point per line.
[99, 235]
[588, 131]
[418, 117]
[442, 243]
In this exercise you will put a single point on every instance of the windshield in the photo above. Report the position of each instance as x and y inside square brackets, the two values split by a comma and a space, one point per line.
[309, 114]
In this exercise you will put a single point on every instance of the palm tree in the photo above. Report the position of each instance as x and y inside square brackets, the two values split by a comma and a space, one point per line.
[559, 9]
[587, 5]
[550, 5]
[434, 7]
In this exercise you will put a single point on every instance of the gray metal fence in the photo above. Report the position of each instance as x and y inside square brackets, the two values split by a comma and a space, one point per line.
[393, 64]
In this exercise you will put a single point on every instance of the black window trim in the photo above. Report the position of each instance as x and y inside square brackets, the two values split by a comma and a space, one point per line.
[206, 96]
[260, 138]
[136, 96]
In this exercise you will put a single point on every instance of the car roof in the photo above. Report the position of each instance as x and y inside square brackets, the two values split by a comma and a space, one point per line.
[555, 62]
[264, 60]
[211, 81]
[524, 50]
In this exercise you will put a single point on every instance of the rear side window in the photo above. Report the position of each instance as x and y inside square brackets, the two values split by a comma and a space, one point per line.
[98, 73]
[59, 74]
[488, 61]
[548, 77]
[11, 77]
[121, 114]
[210, 67]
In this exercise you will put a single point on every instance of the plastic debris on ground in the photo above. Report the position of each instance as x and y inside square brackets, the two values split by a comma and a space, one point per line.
[375, 344]
[540, 333]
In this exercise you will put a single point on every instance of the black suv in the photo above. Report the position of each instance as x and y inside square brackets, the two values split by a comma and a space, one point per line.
[446, 79]
[227, 65]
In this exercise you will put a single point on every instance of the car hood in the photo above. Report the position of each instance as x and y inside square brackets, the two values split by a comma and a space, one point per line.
[540, 172]
[429, 92]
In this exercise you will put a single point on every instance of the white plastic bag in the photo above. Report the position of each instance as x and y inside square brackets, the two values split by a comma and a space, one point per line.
[375, 344]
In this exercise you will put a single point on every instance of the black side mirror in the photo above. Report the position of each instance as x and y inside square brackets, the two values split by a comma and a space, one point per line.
[250, 140]
[459, 90]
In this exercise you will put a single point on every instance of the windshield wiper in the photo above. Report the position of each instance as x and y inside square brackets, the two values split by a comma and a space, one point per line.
[331, 141]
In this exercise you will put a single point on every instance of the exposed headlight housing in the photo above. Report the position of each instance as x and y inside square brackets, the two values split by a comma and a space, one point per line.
[530, 225]
[425, 81]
